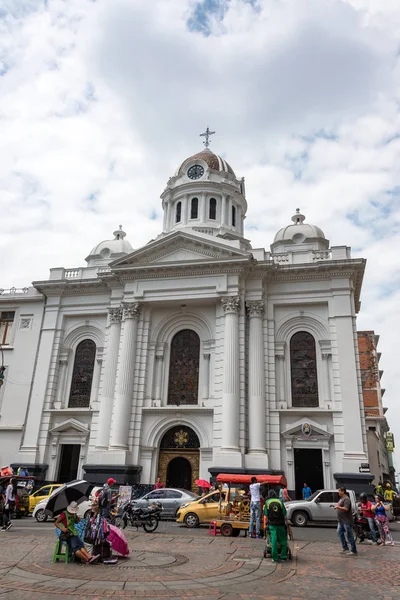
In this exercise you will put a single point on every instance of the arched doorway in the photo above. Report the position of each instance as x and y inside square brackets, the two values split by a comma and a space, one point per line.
[179, 473]
[179, 458]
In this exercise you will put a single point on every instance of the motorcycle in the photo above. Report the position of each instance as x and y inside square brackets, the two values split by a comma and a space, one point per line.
[147, 518]
[361, 528]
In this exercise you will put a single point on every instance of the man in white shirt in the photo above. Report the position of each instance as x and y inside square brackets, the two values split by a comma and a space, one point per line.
[255, 507]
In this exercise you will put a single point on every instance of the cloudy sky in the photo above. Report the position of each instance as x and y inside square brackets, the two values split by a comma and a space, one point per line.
[101, 100]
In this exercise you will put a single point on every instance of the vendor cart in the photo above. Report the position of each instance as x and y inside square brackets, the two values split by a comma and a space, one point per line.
[234, 517]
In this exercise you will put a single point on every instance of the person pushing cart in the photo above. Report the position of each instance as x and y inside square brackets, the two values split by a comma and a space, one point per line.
[276, 528]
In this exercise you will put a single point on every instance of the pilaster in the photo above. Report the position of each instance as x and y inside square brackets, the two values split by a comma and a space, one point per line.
[256, 402]
[125, 376]
[109, 374]
[230, 395]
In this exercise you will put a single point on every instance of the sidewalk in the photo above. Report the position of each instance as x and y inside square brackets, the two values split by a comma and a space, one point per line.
[162, 566]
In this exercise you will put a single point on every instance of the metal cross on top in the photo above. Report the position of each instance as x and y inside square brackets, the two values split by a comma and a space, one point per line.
[207, 135]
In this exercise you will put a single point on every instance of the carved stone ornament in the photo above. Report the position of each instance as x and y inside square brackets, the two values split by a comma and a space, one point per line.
[255, 308]
[131, 310]
[25, 324]
[115, 314]
[231, 304]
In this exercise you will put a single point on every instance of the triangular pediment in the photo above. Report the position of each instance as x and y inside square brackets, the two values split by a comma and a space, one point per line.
[70, 426]
[183, 249]
[306, 427]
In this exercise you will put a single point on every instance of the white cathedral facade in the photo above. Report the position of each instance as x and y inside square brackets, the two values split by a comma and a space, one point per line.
[193, 355]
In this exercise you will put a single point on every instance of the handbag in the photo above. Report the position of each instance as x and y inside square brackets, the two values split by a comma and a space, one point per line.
[103, 549]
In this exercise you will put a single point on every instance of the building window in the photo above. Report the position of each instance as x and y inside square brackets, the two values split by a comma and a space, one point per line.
[82, 375]
[303, 367]
[178, 212]
[194, 209]
[213, 209]
[6, 323]
[233, 216]
[183, 380]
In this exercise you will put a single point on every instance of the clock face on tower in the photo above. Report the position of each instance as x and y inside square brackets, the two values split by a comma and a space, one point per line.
[195, 172]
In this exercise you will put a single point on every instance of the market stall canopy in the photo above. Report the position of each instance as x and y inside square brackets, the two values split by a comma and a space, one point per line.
[246, 479]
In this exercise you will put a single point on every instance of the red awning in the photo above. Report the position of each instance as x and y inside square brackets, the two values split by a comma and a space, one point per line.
[246, 479]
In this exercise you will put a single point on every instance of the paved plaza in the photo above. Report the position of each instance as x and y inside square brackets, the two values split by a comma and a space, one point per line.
[198, 567]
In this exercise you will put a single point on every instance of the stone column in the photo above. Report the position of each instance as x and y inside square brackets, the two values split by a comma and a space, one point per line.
[230, 393]
[109, 372]
[185, 209]
[280, 376]
[63, 364]
[204, 214]
[256, 405]
[206, 376]
[159, 364]
[223, 210]
[327, 377]
[94, 394]
[125, 377]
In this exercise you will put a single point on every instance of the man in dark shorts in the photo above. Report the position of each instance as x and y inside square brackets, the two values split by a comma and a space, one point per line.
[345, 523]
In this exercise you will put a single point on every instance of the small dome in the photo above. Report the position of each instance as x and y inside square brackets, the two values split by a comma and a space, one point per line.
[299, 231]
[110, 249]
[214, 162]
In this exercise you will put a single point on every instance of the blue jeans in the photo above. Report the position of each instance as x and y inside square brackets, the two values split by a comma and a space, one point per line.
[255, 512]
[372, 528]
[346, 529]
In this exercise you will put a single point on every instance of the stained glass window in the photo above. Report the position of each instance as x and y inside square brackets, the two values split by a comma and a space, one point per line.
[180, 437]
[183, 380]
[194, 209]
[303, 366]
[213, 209]
[82, 375]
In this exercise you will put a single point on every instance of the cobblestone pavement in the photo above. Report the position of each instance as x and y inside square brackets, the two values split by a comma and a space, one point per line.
[183, 567]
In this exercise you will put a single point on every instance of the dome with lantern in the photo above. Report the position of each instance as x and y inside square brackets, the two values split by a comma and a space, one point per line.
[213, 161]
[109, 250]
[299, 236]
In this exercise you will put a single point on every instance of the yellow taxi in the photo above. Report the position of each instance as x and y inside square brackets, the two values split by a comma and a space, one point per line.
[204, 509]
[41, 494]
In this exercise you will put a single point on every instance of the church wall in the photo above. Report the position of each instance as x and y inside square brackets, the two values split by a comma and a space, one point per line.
[78, 318]
[19, 359]
[294, 307]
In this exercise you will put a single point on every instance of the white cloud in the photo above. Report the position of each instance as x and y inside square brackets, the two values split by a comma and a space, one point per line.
[100, 101]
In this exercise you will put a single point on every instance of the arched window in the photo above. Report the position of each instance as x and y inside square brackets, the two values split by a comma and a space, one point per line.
[183, 383]
[194, 210]
[213, 209]
[303, 370]
[178, 212]
[233, 216]
[82, 375]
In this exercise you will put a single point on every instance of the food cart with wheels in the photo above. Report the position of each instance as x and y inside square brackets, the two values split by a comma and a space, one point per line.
[235, 516]
[25, 486]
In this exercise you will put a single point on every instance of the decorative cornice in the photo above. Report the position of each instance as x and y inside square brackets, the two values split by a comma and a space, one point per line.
[164, 273]
[255, 308]
[132, 310]
[231, 304]
[115, 314]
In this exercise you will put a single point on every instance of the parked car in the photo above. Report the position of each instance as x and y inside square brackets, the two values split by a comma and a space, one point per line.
[42, 494]
[83, 508]
[170, 498]
[204, 508]
[319, 508]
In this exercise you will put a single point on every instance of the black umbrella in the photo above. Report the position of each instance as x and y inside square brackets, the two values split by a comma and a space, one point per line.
[77, 491]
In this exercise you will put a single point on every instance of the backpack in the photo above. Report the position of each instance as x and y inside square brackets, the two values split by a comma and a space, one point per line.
[275, 513]
[102, 498]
